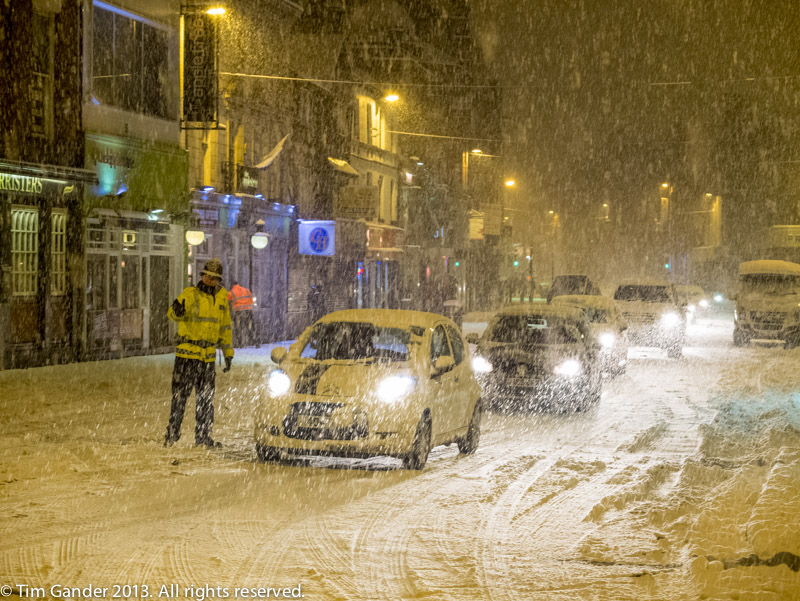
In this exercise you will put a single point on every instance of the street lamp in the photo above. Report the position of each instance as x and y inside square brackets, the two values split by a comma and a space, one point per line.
[391, 97]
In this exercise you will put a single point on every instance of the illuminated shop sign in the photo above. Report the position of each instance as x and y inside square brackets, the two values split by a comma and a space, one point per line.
[317, 238]
[20, 183]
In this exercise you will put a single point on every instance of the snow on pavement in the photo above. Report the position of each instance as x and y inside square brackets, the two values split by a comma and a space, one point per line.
[683, 484]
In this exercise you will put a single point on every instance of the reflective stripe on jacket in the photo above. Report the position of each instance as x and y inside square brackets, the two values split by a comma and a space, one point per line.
[241, 298]
[205, 326]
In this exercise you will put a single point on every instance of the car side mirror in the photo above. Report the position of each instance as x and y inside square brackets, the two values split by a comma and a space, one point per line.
[473, 338]
[278, 354]
[442, 364]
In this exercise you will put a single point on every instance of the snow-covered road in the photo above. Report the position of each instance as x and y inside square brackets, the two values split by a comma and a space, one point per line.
[682, 484]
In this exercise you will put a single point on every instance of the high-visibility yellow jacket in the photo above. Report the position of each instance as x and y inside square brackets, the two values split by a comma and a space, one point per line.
[205, 326]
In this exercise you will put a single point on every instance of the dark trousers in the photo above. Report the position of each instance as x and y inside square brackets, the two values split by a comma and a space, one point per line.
[243, 328]
[189, 374]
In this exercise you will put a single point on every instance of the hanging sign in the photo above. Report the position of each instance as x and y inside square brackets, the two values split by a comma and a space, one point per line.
[317, 238]
[199, 69]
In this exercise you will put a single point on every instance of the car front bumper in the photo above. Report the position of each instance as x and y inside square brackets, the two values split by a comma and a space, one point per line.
[335, 427]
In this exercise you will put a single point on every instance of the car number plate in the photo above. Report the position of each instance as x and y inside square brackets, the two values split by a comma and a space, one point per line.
[311, 421]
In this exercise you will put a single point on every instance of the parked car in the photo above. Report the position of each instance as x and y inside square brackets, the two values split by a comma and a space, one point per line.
[539, 356]
[650, 308]
[608, 326]
[367, 382]
[572, 284]
[693, 300]
[767, 300]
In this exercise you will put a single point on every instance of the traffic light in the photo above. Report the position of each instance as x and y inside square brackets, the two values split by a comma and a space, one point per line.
[516, 263]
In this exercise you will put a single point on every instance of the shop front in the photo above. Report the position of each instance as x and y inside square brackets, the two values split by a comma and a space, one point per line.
[134, 244]
[343, 264]
[40, 262]
[250, 235]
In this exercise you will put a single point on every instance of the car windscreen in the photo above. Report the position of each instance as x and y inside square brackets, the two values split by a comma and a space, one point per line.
[356, 341]
[530, 330]
[771, 284]
[597, 315]
[571, 285]
[648, 294]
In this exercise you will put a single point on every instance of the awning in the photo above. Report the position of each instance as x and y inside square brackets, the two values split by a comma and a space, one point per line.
[343, 166]
[272, 155]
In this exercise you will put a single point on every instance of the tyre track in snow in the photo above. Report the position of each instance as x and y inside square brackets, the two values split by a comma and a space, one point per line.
[565, 512]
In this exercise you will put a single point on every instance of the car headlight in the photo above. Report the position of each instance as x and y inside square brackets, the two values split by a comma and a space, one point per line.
[670, 320]
[569, 368]
[278, 382]
[481, 365]
[718, 298]
[703, 303]
[394, 388]
[607, 339]
[691, 308]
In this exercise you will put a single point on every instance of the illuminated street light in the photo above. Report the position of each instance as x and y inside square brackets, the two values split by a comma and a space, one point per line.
[217, 11]
[195, 237]
[391, 98]
[665, 185]
[510, 183]
[477, 151]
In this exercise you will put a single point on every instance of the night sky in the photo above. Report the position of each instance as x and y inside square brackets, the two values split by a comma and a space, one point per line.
[606, 99]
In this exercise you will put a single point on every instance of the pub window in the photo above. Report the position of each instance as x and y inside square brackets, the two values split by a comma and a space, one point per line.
[58, 253]
[130, 282]
[41, 82]
[113, 279]
[130, 62]
[24, 250]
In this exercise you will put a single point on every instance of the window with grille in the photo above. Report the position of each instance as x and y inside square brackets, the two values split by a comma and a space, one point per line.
[58, 253]
[24, 250]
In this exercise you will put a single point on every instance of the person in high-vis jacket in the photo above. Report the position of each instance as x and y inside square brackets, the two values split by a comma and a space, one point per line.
[204, 324]
[241, 300]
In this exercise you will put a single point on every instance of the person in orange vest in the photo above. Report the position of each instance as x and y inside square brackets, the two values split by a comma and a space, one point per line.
[241, 300]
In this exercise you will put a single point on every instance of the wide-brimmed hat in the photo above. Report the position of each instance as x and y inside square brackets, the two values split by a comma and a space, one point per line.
[213, 267]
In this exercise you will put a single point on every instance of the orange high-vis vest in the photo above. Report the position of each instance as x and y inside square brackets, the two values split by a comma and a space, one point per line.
[241, 298]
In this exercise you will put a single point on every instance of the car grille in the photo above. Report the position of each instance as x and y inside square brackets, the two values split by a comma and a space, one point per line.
[515, 370]
[639, 319]
[324, 421]
[767, 320]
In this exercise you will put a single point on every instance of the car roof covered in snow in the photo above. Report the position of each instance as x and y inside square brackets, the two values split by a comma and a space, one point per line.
[644, 282]
[769, 266]
[561, 311]
[689, 289]
[583, 300]
[387, 318]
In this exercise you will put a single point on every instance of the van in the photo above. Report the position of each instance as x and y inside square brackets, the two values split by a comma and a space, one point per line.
[572, 284]
[767, 302]
[653, 313]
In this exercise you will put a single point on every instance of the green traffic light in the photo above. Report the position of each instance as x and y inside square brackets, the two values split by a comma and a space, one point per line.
[666, 265]
[516, 263]
[457, 263]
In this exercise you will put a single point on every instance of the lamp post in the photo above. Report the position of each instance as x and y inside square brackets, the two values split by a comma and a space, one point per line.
[666, 216]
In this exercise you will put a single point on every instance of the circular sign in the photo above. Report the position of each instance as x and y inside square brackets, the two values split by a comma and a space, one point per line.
[318, 240]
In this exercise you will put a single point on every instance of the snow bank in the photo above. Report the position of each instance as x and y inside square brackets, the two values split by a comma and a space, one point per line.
[743, 489]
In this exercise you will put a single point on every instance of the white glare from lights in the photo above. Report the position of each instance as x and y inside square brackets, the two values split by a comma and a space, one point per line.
[718, 298]
[670, 320]
[480, 365]
[607, 339]
[569, 368]
[278, 382]
[704, 303]
[394, 388]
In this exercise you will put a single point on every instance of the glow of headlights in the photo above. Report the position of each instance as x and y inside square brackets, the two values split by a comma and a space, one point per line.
[481, 365]
[704, 303]
[394, 388]
[718, 298]
[670, 320]
[569, 368]
[278, 382]
[691, 308]
[607, 339]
